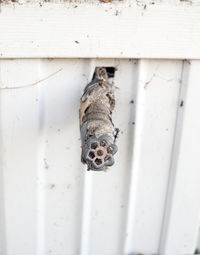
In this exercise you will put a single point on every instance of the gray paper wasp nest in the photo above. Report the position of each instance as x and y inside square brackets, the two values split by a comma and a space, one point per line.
[98, 134]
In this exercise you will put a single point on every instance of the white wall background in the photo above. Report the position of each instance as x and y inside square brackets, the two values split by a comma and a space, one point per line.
[149, 201]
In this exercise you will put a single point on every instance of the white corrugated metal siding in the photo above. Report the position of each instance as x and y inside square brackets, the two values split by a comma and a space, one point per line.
[148, 202]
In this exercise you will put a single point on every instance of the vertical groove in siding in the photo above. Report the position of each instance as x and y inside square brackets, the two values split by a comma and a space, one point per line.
[40, 223]
[87, 185]
[197, 247]
[156, 103]
[174, 152]
[180, 230]
[3, 249]
[86, 212]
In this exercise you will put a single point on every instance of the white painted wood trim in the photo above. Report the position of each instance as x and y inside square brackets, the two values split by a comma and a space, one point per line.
[97, 30]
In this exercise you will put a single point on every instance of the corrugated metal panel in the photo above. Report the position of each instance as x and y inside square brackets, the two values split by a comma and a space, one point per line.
[148, 202]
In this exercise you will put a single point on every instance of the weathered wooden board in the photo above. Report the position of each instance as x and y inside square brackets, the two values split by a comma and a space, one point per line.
[113, 30]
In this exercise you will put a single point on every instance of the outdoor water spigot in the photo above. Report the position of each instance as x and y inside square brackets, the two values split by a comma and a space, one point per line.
[98, 134]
